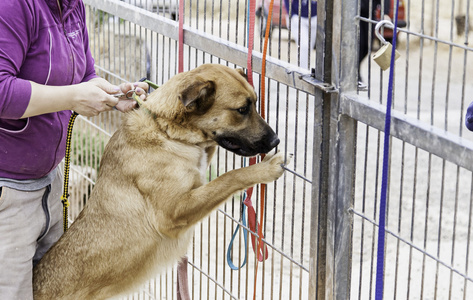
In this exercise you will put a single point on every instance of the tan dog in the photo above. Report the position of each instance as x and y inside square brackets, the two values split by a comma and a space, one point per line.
[151, 189]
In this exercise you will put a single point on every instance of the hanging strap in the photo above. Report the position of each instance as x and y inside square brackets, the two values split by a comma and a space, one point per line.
[262, 112]
[251, 39]
[245, 238]
[181, 37]
[253, 223]
[384, 182]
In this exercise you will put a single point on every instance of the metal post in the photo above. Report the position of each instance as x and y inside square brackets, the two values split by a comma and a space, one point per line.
[342, 173]
[320, 272]
[334, 168]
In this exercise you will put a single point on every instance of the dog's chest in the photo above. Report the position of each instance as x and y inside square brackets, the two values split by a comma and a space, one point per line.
[202, 166]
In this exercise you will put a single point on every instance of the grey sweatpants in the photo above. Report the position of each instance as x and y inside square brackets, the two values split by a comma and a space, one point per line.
[30, 223]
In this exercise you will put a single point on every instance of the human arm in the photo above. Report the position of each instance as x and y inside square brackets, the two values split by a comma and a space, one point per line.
[87, 98]
[25, 63]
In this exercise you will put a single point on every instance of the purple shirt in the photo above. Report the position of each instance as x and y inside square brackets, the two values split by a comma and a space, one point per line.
[39, 43]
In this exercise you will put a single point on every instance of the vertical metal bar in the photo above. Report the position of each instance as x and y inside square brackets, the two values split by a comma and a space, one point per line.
[333, 175]
[319, 283]
[193, 270]
[304, 198]
[247, 272]
[467, 256]
[343, 171]
[403, 158]
[465, 54]
[454, 230]
[426, 222]
[299, 34]
[289, 35]
[439, 237]
[206, 271]
[293, 204]
[200, 259]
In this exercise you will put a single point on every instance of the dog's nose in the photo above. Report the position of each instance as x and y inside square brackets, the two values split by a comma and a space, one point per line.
[274, 141]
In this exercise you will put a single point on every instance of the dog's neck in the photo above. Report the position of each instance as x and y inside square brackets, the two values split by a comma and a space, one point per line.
[158, 127]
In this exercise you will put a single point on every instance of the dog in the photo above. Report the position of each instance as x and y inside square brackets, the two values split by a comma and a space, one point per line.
[151, 189]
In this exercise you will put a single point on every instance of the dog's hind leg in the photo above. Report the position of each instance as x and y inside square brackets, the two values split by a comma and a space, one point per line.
[182, 281]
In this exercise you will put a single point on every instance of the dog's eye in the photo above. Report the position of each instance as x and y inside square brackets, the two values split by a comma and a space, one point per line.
[244, 110]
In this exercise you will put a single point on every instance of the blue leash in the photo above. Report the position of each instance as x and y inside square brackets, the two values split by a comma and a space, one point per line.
[384, 182]
[243, 206]
[245, 236]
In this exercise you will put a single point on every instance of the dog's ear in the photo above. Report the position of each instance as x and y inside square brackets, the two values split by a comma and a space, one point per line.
[242, 73]
[198, 95]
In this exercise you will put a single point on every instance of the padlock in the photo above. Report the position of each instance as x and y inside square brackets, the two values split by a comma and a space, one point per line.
[383, 56]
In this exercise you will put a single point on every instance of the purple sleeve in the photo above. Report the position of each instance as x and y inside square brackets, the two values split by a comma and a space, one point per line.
[16, 26]
[90, 69]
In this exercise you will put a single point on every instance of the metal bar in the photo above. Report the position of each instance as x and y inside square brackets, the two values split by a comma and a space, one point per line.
[321, 273]
[343, 150]
[454, 229]
[450, 147]
[467, 256]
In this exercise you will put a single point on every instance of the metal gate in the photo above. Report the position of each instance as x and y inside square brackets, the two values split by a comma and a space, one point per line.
[321, 218]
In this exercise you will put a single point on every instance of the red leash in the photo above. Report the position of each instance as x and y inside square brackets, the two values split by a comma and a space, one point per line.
[251, 211]
[253, 224]
[181, 37]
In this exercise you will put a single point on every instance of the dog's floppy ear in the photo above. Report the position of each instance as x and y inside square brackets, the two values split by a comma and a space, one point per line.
[198, 94]
[242, 73]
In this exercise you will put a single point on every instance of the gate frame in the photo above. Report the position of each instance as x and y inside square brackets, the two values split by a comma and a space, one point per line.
[334, 86]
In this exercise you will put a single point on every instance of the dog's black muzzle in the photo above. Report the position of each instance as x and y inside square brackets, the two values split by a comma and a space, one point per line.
[244, 147]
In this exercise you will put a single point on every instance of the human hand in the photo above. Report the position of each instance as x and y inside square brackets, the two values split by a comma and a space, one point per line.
[107, 102]
[94, 97]
[125, 104]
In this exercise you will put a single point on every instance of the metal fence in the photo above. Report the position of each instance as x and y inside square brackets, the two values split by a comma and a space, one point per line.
[321, 218]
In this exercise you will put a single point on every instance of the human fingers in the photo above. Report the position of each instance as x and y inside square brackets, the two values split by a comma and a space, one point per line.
[126, 105]
[105, 85]
[109, 100]
[143, 85]
[141, 92]
[125, 88]
[92, 99]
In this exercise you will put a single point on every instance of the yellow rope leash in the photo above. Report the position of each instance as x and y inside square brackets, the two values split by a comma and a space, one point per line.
[65, 194]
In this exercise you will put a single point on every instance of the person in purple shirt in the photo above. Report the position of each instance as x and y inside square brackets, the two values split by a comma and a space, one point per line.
[306, 20]
[46, 71]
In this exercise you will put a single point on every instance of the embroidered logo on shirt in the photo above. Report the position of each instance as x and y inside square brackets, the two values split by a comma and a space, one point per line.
[74, 34]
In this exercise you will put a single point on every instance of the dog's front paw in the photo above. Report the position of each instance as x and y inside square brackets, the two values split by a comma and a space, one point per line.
[274, 165]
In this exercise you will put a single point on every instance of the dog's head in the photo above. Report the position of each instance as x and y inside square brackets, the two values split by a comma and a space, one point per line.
[222, 104]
